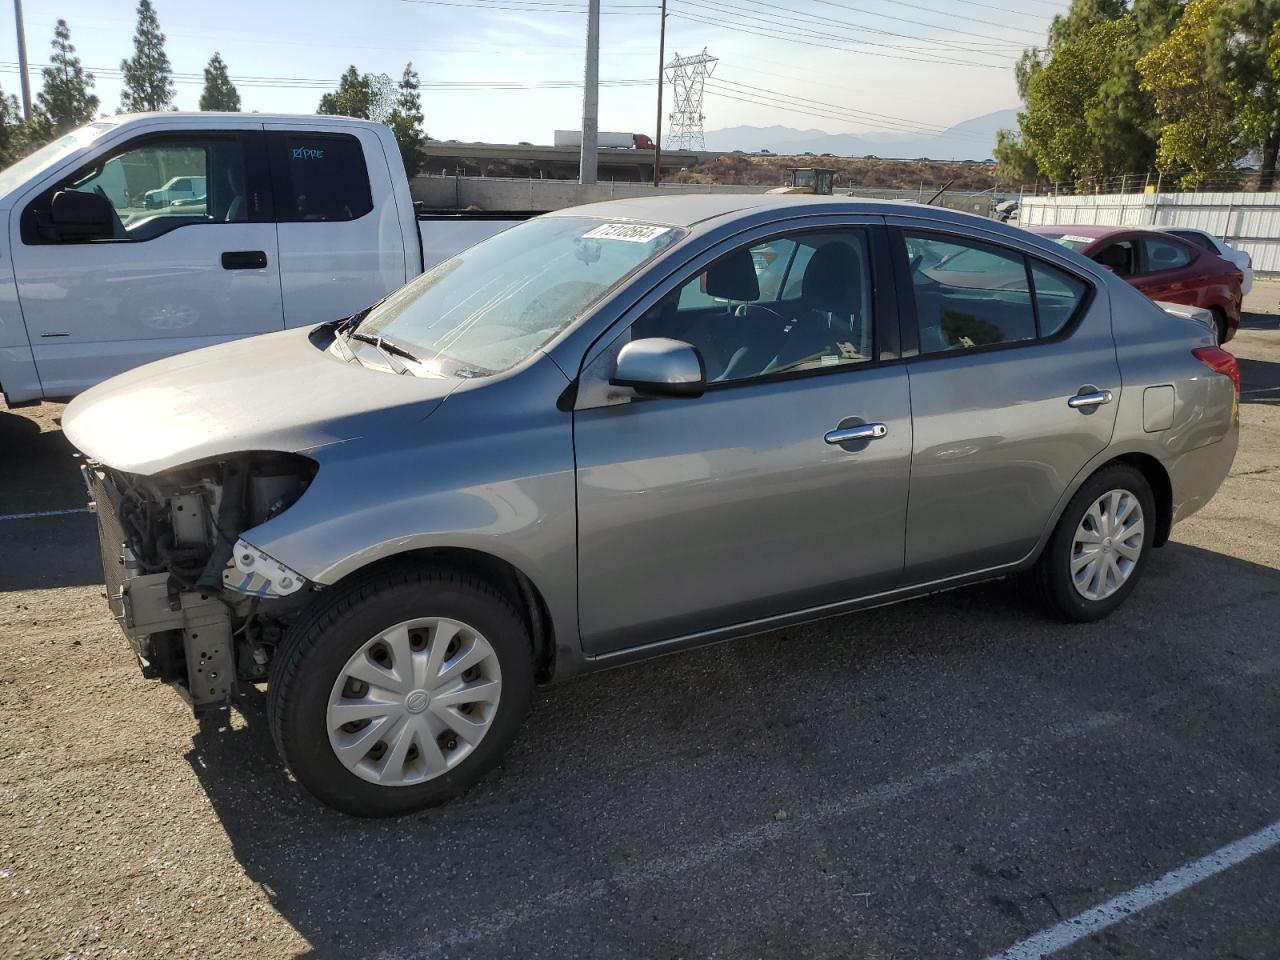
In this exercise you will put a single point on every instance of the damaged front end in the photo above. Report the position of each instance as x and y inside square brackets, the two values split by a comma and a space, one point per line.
[201, 607]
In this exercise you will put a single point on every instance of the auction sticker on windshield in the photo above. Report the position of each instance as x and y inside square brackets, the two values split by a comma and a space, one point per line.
[631, 232]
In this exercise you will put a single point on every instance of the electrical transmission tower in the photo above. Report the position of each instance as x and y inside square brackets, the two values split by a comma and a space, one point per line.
[687, 76]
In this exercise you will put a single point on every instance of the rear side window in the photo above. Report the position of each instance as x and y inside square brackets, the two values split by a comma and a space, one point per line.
[1162, 253]
[319, 178]
[968, 294]
[1058, 295]
[1199, 239]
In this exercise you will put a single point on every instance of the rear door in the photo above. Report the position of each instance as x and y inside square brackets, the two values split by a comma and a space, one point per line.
[171, 278]
[1167, 268]
[341, 247]
[1005, 344]
[697, 514]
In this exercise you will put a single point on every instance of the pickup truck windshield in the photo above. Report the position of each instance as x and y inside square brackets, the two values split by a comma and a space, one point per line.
[28, 167]
[492, 306]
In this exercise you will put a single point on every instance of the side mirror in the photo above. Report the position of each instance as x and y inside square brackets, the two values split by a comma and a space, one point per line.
[81, 216]
[658, 367]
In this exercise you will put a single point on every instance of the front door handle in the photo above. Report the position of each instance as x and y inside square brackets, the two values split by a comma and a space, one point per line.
[1094, 398]
[863, 431]
[244, 260]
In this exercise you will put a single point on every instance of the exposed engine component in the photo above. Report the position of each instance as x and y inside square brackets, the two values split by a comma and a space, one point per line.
[201, 607]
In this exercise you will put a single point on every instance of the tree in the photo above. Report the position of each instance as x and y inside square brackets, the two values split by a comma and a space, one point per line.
[1202, 128]
[1246, 57]
[148, 75]
[219, 92]
[352, 98]
[12, 134]
[65, 99]
[1086, 114]
[405, 122]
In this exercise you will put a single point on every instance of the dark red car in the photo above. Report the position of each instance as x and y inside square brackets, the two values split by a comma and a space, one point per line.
[1162, 266]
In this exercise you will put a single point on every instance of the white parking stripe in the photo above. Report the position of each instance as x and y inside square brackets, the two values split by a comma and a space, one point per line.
[1250, 393]
[1085, 924]
[42, 513]
[436, 942]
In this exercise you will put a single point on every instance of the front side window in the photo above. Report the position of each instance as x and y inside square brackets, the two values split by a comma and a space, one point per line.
[144, 191]
[1163, 253]
[319, 178]
[1121, 258]
[968, 294]
[491, 306]
[800, 302]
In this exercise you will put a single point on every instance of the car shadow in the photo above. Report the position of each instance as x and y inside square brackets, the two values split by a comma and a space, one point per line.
[46, 537]
[627, 752]
[1259, 381]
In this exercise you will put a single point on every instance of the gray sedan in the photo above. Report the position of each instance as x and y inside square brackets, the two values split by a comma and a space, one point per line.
[623, 430]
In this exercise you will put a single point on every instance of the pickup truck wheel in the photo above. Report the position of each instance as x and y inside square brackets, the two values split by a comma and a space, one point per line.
[1099, 547]
[400, 691]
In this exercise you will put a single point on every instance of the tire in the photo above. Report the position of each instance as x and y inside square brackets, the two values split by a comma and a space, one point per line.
[346, 634]
[1220, 323]
[1051, 581]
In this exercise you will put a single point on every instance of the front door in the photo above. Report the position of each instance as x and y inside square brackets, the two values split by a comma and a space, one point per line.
[1014, 390]
[172, 277]
[695, 514]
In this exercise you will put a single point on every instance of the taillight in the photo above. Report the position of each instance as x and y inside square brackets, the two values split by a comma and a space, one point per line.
[1219, 361]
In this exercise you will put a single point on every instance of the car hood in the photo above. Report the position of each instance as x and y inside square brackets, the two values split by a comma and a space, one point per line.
[275, 392]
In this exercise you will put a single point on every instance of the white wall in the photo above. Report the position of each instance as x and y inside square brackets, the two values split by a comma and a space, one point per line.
[1249, 221]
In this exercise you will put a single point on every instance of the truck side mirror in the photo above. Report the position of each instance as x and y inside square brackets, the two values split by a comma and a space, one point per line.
[78, 216]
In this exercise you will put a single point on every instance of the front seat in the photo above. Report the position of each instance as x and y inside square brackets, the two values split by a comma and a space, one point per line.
[830, 294]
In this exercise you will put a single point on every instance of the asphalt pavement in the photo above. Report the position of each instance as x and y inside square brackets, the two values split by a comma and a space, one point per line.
[950, 777]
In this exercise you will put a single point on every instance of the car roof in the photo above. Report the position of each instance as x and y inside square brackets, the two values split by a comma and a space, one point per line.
[693, 209]
[1092, 230]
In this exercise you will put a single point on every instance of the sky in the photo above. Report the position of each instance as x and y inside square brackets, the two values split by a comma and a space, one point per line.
[843, 66]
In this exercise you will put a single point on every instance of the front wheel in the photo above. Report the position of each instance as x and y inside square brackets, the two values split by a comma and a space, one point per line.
[398, 692]
[1099, 547]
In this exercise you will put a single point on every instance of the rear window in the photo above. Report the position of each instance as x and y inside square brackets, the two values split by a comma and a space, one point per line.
[1069, 240]
[319, 178]
[1162, 253]
[1199, 239]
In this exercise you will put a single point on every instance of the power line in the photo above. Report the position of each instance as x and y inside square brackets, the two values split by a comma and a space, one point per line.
[837, 112]
[694, 17]
[911, 125]
[946, 13]
[730, 6]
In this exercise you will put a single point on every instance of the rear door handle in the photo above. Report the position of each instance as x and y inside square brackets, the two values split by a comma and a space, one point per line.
[1095, 398]
[244, 260]
[864, 431]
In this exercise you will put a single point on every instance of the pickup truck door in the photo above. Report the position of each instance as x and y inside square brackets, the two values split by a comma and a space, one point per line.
[169, 279]
[341, 242]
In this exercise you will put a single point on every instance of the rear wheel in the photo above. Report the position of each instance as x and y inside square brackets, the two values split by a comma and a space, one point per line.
[400, 691]
[1099, 547]
[1220, 322]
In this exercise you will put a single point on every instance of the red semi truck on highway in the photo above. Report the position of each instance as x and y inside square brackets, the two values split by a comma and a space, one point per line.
[624, 141]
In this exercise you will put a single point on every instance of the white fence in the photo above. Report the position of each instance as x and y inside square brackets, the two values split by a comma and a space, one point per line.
[1249, 221]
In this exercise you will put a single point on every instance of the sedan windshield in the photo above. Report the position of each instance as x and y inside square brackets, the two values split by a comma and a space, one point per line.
[492, 306]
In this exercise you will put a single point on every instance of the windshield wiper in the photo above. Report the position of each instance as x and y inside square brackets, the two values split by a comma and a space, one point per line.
[388, 348]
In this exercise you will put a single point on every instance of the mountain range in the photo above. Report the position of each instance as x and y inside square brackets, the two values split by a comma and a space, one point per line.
[971, 139]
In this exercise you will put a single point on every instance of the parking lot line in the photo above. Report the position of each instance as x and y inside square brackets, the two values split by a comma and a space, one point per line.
[1050, 941]
[435, 942]
[42, 513]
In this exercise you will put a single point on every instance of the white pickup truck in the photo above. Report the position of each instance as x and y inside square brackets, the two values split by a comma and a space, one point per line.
[304, 219]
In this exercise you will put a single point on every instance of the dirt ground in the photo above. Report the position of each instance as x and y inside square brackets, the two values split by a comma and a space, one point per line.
[940, 778]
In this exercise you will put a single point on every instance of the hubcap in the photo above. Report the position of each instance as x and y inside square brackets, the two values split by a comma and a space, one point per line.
[413, 701]
[1107, 545]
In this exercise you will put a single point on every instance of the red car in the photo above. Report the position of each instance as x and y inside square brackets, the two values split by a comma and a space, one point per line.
[1162, 266]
